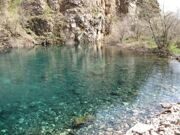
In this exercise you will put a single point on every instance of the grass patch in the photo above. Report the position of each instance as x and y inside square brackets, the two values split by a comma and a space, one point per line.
[173, 49]
[130, 40]
[150, 42]
[47, 11]
[14, 4]
[145, 40]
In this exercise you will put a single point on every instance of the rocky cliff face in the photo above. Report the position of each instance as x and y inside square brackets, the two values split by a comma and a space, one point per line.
[70, 22]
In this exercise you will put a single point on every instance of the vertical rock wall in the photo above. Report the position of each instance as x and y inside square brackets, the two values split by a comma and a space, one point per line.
[71, 21]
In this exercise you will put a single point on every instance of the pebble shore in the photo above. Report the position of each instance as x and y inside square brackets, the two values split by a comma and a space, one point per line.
[166, 123]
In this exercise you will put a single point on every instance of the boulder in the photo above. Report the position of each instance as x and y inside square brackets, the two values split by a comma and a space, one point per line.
[140, 128]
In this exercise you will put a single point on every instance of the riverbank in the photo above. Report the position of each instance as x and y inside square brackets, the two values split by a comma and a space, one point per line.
[166, 123]
[4, 49]
[133, 48]
[146, 48]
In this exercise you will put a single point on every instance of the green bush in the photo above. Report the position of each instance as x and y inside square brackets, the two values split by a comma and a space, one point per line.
[178, 44]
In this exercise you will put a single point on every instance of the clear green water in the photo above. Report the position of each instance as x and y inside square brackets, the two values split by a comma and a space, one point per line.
[43, 90]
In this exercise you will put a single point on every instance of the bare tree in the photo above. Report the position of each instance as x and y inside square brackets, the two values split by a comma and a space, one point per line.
[137, 27]
[124, 27]
[162, 25]
[119, 31]
[163, 29]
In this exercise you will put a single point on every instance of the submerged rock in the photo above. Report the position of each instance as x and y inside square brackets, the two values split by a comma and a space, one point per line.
[67, 132]
[21, 121]
[113, 93]
[82, 120]
[3, 131]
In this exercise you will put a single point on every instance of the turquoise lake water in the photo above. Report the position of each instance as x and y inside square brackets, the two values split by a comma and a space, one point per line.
[42, 90]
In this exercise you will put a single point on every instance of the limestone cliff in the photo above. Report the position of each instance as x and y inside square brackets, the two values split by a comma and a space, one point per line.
[70, 22]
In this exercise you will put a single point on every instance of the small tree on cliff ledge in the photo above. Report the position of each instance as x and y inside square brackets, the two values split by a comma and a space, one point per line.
[161, 25]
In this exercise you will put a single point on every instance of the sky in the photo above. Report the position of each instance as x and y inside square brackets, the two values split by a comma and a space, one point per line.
[170, 5]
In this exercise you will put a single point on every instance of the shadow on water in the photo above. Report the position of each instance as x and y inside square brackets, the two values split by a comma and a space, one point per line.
[43, 89]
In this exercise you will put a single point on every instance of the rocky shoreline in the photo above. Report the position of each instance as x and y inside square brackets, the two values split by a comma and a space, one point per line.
[166, 123]
[4, 49]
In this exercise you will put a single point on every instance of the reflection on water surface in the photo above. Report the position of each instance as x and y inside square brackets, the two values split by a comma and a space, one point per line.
[43, 90]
